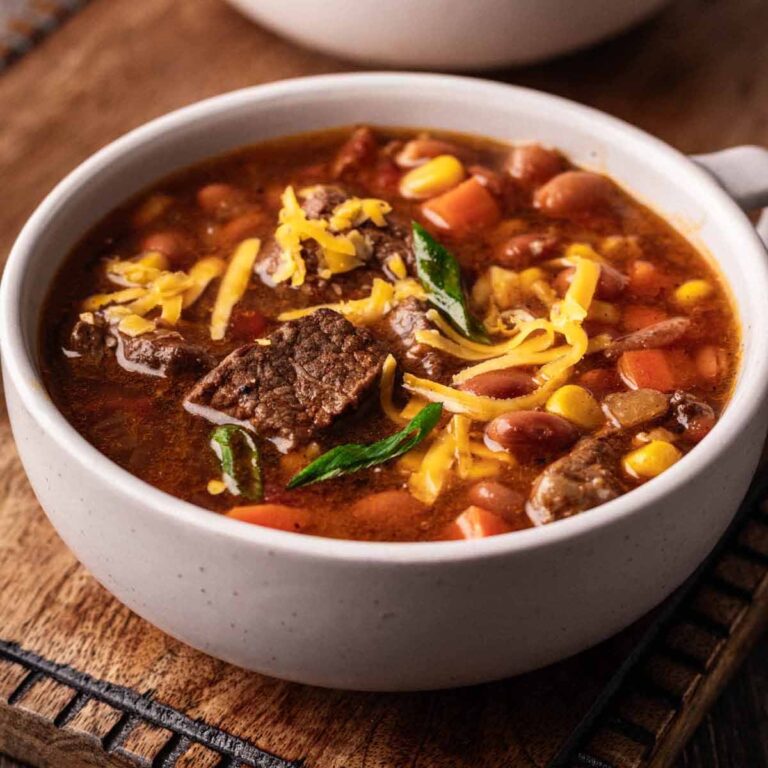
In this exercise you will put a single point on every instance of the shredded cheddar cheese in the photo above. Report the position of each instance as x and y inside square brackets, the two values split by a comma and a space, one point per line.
[233, 285]
[342, 247]
[387, 383]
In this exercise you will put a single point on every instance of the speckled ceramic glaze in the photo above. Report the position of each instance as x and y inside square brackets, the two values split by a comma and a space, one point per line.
[448, 34]
[372, 615]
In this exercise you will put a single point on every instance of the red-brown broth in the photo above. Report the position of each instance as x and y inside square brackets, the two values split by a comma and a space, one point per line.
[139, 422]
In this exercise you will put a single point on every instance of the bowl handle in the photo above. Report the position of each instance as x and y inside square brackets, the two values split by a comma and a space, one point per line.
[743, 173]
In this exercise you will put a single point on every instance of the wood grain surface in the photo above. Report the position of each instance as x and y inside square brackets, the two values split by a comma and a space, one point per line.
[697, 76]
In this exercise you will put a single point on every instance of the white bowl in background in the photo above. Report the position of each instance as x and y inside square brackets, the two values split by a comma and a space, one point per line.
[387, 616]
[448, 34]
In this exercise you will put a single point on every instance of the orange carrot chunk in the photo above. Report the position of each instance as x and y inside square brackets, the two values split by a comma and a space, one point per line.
[637, 316]
[279, 516]
[662, 369]
[476, 523]
[466, 207]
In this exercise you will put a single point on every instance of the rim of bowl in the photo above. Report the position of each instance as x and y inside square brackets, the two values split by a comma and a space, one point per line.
[745, 401]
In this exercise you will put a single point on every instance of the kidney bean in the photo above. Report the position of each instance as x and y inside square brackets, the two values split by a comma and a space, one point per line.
[170, 242]
[497, 497]
[532, 165]
[533, 431]
[219, 198]
[521, 251]
[243, 226]
[610, 284]
[419, 151]
[491, 180]
[509, 382]
[575, 193]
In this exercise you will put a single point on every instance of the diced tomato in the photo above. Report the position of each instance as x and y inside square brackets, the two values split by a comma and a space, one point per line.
[247, 324]
[646, 279]
[278, 516]
[476, 523]
[466, 207]
[601, 381]
[637, 316]
[386, 175]
[662, 369]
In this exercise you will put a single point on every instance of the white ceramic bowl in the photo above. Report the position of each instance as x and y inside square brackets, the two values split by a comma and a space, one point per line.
[448, 34]
[381, 615]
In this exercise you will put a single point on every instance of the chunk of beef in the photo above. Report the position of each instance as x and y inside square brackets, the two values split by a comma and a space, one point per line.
[691, 416]
[161, 353]
[313, 370]
[322, 199]
[399, 329]
[660, 334]
[586, 477]
[88, 338]
[358, 150]
[381, 243]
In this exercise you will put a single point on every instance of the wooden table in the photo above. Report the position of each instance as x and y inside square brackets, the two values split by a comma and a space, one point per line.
[697, 76]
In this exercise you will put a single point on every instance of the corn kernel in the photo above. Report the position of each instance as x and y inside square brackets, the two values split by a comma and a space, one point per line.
[215, 487]
[604, 312]
[432, 178]
[505, 287]
[692, 292]
[530, 276]
[577, 405]
[651, 459]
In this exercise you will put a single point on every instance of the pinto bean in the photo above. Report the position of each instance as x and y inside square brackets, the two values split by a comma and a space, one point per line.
[651, 337]
[497, 497]
[610, 284]
[536, 432]
[509, 382]
[574, 194]
[521, 251]
[532, 165]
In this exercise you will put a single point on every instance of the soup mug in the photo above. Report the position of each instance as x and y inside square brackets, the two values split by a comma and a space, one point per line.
[391, 616]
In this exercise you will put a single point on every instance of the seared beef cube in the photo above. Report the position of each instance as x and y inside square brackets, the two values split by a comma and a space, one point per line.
[400, 327]
[385, 242]
[161, 353]
[586, 477]
[358, 150]
[322, 199]
[88, 338]
[313, 370]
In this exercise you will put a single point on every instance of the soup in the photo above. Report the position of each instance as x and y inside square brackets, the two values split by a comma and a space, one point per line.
[388, 334]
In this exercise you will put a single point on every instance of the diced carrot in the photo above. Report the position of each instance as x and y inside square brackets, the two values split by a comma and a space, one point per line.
[476, 523]
[637, 316]
[711, 362]
[645, 279]
[601, 381]
[661, 369]
[464, 208]
[279, 516]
